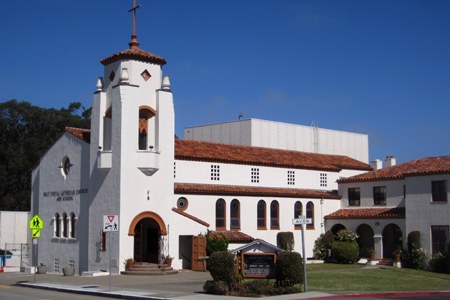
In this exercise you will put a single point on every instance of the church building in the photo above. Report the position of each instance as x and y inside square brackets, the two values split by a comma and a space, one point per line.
[167, 191]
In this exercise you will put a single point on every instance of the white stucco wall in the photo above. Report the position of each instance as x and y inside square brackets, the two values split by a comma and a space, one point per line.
[52, 193]
[421, 212]
[13, 227]
[278, 135]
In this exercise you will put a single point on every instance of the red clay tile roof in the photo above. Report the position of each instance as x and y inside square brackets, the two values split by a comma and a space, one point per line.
[84, 134]
[177, 210]
[368, 213]
[255, 156]
[422, 166]
[136, 54]
[232, 236]
[210, 189]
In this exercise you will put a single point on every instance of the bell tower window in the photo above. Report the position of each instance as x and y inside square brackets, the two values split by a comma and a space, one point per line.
[145, 113]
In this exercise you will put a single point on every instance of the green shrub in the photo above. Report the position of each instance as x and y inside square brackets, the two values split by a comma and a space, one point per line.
[346, 235]
[222, 267]
[323, 244]
[440, 263]
[216, 244]
[215, 287]
[289, 269]
[285, 241]
[414, 241]
[345, 252]
[328, 238]
[418, 258]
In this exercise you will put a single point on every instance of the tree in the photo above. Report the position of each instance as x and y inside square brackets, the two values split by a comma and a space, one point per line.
[26, 131]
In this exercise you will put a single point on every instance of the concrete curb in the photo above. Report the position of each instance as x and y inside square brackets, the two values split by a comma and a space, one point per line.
[387, 295]
[99, 292]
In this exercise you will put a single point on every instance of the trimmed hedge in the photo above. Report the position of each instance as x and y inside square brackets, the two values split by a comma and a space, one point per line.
[414, 239]
[216, 244]
[345, 252]
[285, 241]
[289, 269]
[222, 267]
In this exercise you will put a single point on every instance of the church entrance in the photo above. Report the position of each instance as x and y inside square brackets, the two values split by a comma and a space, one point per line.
[149, 232]
[147, 240]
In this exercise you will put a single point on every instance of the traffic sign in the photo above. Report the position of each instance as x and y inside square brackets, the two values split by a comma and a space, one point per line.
[302, 221]
[36, 223]
[110, 222]
[36, 233]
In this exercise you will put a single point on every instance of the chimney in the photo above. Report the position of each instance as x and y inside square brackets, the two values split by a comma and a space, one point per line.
[376, 164]
[389, 161]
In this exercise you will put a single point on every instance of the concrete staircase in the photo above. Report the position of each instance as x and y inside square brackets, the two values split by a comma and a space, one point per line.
[385, 262]
[149, 269]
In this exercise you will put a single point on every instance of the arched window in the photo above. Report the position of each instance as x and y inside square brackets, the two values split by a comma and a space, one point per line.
[64, 225]
[72, 225]
[310, 214]
[56, 224]
[274, 215]
[261, 212]
[145, 113]
[220, 215]
[297, 213]
[235, 223]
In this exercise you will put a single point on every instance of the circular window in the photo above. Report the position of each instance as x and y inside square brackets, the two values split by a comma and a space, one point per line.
[182, 203]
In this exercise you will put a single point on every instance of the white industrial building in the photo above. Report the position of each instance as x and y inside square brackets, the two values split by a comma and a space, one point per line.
[278, 135]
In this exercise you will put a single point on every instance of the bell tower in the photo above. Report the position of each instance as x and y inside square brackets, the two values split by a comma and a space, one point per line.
[132, 139]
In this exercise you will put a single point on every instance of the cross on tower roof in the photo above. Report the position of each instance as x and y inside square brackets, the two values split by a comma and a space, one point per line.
[134, 43]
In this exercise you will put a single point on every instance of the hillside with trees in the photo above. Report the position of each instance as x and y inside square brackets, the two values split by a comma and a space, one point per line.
[26, 131]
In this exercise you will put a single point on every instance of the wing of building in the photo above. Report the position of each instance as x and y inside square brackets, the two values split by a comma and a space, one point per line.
[383, 206]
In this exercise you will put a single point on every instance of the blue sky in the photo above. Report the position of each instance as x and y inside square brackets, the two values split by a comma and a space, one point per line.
[380, 68]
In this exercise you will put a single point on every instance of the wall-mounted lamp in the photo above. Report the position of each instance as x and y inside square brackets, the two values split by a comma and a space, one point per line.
[148, 195]
[377, 223]
[151, 148]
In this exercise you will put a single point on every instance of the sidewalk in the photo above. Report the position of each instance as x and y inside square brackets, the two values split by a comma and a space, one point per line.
[184, 285]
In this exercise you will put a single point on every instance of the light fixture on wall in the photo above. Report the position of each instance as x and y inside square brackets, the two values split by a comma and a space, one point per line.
[151, 148]
[377, 223]
[148, 195]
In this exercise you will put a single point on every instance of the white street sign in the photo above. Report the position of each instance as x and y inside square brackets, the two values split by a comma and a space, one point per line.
[110, 222]
[302, 221]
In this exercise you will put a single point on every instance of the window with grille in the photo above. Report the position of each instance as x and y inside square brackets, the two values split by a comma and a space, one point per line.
[297, 213]
[354, 196]
[274, 215]
[255, 175]
[215, 172]
[56, 265]
[439, 191]
[290, 177]
[235, 222]
[220, 215]
[379, 195]
[440, 239]
[323, 179]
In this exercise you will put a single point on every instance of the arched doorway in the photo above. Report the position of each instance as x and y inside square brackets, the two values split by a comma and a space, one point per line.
[336, 227]
[365, 239]
[392, 239]
[147, 229]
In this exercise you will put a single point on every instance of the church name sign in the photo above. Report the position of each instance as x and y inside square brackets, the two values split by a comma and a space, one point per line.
[259, 265]
[65, 195]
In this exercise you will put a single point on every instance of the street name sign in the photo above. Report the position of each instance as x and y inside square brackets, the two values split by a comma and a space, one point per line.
[110, 222]
[302, 221]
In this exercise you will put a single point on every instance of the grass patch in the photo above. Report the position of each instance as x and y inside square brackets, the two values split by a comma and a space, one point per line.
[328, 266]
[346, 278]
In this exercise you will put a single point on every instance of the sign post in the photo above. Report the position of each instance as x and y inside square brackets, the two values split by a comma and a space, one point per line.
[36, 225]
[110, 223]
[303, 220]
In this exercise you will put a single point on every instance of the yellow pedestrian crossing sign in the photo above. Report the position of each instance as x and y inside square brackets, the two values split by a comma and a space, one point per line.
[36, 223]
[36, 233]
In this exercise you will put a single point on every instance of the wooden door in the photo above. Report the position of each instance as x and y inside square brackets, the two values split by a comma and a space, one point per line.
[198, 250]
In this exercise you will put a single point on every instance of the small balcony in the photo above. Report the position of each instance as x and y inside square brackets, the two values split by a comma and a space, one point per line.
[104, 161]
[147, 161]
